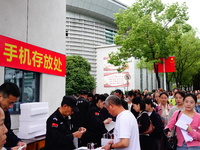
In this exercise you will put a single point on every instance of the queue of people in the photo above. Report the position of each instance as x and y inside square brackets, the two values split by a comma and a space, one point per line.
[154, 108]
[86, 119]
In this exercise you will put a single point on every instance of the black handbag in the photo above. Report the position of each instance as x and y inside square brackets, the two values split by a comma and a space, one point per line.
[172, 141]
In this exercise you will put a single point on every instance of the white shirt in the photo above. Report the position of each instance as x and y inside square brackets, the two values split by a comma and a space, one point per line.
[129, 106]
[126, 127]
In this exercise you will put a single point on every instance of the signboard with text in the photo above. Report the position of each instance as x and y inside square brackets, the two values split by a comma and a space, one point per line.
[115, 79]
[112, 78]
[21, 55]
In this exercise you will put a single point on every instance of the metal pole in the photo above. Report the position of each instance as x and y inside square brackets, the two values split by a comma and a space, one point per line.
[165, 87]
[127, 85]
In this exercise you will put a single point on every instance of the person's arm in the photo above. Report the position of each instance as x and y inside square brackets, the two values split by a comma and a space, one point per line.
[194, 131]
[121, 144]
[20, 144]
[172, 121]
[124, 142]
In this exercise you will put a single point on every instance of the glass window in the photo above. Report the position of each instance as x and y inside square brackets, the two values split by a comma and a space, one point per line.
[28, 82]
[109, 36]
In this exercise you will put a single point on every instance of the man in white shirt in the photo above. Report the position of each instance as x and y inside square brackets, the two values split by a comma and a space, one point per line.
[126, 134]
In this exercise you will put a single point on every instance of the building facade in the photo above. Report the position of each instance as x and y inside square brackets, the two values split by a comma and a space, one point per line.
[89, 27]
[90, 23]
[32, 22]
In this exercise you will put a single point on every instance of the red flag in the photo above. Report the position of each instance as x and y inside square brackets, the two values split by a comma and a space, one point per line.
[168, 63]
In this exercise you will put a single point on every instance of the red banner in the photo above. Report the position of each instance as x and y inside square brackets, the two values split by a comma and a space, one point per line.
[21, 55]
[167, 65]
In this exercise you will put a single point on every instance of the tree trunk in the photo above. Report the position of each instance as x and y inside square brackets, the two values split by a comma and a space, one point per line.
[168, 82]
[157, 76]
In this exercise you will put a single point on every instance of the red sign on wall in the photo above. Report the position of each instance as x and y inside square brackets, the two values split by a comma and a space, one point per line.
[21, 55]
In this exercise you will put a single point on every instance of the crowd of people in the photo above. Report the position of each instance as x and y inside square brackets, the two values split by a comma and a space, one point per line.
[85, 117]
[158, 108]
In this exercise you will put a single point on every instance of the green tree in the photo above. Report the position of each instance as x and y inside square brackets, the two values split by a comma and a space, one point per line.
[78, 75]
[143, 29]
[187, 52]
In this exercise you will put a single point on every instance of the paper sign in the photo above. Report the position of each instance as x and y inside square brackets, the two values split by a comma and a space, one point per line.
[110, 126]
[186, 136]
[183, 121]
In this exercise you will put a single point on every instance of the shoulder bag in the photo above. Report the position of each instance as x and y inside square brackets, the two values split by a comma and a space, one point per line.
[150, 128]
[172, 141]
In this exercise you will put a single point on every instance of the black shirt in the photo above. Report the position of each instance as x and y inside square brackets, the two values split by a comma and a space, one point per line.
[158, 124]
[79, 118]
[95, 126]
[12, 139]
[59, 133]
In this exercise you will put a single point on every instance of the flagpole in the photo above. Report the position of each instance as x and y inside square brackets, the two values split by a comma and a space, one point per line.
[165, 87]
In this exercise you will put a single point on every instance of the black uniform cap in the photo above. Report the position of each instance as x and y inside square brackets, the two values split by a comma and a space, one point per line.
[70, 101]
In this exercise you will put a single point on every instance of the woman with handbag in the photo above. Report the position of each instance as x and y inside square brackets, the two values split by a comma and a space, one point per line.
[157, 134]
[179, 97]
[193, 129]
[144, 124]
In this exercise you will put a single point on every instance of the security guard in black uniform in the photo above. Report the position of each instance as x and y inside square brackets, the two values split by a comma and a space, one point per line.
[95, 122]
[59, 134]
[79, 119]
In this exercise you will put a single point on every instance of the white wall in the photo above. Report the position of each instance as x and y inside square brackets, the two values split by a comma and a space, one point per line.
[46, 28]
[13, 19]
[102, 52]
[41, 23]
